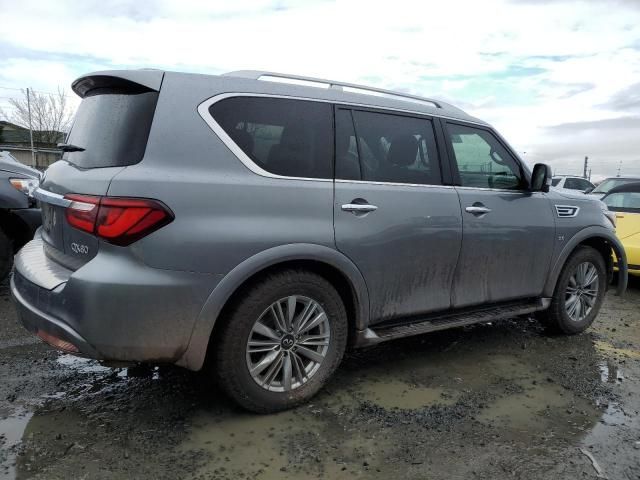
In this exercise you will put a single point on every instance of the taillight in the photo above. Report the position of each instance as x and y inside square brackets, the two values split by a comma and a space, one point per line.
[117, 220]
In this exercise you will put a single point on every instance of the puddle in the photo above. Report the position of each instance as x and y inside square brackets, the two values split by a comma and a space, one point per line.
[610, 372]
[397, 394]
[12, 430]
[399, 411]
[82, 365]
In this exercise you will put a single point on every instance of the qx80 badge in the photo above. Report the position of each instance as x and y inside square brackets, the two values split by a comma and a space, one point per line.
[79, 248]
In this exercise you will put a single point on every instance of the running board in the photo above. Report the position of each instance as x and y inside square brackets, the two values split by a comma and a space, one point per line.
[381, 333]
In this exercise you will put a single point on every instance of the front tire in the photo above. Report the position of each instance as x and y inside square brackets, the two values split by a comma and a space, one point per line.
[579, 293]
[281, 342]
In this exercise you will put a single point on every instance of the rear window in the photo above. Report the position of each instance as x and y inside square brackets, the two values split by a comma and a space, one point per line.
[113, 129]
[286, 137]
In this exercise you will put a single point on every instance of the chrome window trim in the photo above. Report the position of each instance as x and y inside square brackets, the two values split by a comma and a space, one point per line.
[203, 111]
[394, 184]
[503, 190]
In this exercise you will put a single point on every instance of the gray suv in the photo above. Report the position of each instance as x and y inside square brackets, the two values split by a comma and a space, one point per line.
[260, 223]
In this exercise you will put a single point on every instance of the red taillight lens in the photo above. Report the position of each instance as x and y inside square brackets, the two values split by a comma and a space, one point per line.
[83, 211]
[117, 220]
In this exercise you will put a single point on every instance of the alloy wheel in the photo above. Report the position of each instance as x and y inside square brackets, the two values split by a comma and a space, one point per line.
[288, 343]
[582, 291]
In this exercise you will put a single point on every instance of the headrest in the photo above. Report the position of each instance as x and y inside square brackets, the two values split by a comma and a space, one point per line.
[403, 150]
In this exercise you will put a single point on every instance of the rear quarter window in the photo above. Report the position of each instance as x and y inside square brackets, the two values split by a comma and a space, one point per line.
[293, 138]
[113, 129]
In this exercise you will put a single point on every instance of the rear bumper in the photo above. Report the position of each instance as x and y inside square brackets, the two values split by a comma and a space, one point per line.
[113, 308]
[44, 325]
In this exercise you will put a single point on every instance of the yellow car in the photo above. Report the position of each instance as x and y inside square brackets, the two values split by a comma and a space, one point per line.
[625, 201]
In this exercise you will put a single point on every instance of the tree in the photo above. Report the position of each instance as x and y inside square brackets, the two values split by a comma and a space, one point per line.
[51, 115]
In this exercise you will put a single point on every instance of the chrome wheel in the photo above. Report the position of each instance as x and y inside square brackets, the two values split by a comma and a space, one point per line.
[288, 343]
[582, 291]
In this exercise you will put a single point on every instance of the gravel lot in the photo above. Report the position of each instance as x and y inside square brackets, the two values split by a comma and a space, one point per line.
[490, 401]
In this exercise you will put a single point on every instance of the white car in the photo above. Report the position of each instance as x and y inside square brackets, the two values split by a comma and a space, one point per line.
[572, 183]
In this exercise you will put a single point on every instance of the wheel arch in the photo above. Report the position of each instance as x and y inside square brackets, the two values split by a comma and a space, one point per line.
[325, 261]
[603, 240]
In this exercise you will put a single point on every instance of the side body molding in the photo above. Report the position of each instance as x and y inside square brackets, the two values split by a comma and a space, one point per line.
[194, 356]
[581, 236]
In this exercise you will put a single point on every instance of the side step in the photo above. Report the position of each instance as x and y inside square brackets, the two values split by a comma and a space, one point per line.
[382, 333]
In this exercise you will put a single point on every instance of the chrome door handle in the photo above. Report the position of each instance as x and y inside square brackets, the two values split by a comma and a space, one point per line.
[478, 210]
[359, 208]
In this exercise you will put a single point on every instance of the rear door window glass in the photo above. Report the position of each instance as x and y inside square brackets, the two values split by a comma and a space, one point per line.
[293, 138]
[481, 159]
[112, 128]
[396, 149]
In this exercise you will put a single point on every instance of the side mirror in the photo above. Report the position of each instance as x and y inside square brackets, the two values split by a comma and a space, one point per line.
[589, 189]
[541, 177]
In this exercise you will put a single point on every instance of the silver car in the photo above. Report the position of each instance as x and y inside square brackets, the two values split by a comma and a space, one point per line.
[261, 223]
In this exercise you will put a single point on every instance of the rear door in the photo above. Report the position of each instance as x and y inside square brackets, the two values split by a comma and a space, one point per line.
[109, 132]
[393, 217]
[508, 232]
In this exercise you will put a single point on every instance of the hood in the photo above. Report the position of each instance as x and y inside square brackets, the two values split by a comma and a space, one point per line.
[8, 163]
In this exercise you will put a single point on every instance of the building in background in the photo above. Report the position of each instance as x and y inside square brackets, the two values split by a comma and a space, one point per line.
[15, 139]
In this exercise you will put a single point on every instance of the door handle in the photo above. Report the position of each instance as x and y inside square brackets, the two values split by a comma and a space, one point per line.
[477, 210]
[359, 207]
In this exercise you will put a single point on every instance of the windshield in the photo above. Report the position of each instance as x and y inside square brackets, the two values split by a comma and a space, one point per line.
[610, 183]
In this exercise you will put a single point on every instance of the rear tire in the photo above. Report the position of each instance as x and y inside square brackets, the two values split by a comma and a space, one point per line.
[6, 255]
[579, 293]
[281, 342]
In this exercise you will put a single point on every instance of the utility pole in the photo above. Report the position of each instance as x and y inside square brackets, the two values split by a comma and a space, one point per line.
[589, 174]
[33, 152]
[586, 162]
[619, 167]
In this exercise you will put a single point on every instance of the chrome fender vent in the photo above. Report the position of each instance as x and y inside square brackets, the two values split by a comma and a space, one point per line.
[567, 211]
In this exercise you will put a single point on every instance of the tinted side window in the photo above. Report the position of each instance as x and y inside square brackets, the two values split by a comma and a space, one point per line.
[398, 149]
[347, 159]
[555, 181]
[572, 184]
[482, 161]
[293, 138]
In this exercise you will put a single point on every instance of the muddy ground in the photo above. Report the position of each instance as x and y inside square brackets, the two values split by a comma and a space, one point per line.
[490, 401]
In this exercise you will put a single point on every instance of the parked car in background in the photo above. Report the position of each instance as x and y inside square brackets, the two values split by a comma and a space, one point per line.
[19, 215]
[257, 223]
[572, 183]
[609, 183]
[625, 201]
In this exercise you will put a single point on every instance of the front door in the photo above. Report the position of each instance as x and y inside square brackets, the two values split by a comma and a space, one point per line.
[393, 217]
[508, 232]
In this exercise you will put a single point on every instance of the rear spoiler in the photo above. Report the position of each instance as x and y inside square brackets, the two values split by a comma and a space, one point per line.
[135, 81]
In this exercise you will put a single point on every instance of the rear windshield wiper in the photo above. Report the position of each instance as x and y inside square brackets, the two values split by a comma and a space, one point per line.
[68, 147]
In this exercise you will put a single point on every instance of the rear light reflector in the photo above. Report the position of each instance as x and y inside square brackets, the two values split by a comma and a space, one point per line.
[117, 220]
[57, 342]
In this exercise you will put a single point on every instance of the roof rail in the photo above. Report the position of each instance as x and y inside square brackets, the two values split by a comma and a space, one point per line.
[319, 82]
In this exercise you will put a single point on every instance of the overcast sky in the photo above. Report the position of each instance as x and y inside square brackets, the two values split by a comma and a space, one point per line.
[559, 79]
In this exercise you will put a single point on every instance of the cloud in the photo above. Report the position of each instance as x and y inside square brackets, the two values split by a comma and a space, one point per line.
[627, 99]
[524, 66]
